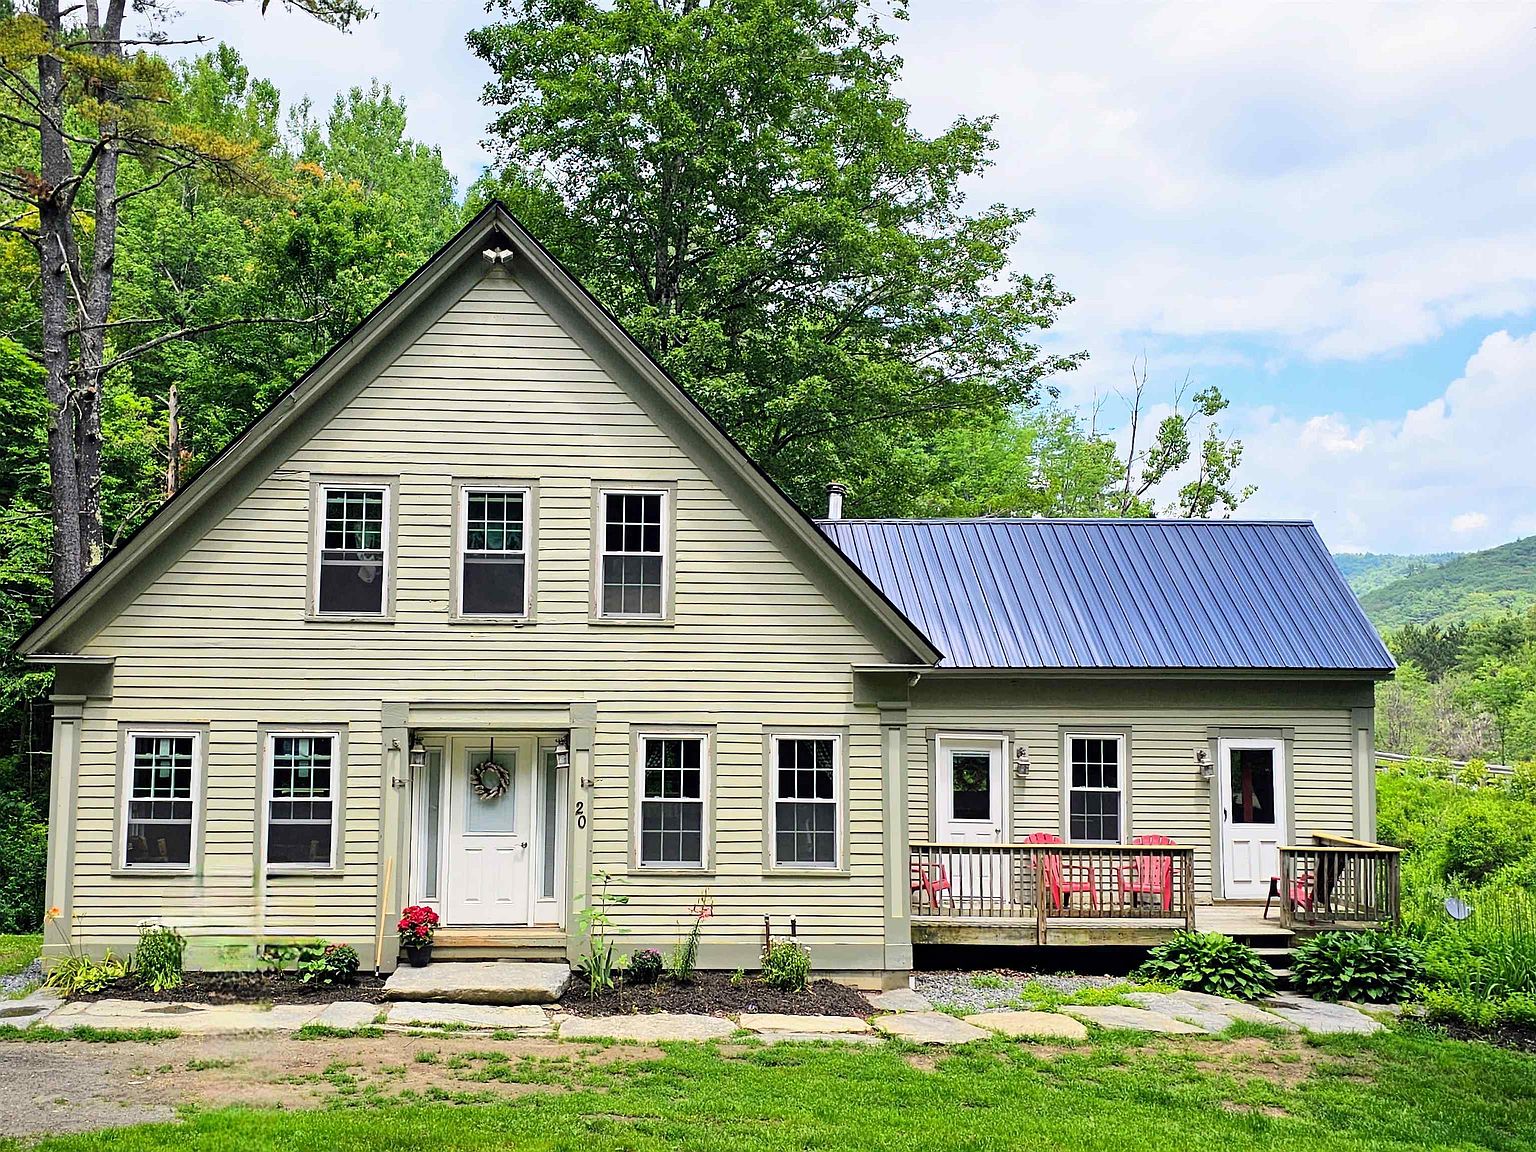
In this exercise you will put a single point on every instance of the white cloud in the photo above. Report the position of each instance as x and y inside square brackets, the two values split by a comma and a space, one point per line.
[1396, 484]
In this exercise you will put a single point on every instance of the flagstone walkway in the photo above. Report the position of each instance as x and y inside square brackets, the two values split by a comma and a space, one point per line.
[904, 1014]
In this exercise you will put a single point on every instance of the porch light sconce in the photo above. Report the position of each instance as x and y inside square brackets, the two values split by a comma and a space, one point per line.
[1021, 763]
[563, 750]
[1203, 762]
[418, 755]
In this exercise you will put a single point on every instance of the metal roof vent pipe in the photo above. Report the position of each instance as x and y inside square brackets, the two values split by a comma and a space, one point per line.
[835, 494]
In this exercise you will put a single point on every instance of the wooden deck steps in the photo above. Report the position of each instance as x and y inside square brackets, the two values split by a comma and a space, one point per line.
[533, 944]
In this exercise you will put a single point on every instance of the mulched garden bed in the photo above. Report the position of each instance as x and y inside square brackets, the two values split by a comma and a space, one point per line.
[1516, 1037]
[714, 993]
[243, 988]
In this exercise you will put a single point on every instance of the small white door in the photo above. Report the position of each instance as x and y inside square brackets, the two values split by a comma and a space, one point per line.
[489, 852]
[1252, 797]
[970, 790]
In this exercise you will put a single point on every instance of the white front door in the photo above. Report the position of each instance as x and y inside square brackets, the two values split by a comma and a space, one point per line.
[970, 790]
[490, 837]
[1252, 795]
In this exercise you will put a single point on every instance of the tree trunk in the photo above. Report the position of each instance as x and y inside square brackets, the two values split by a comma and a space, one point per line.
[55, 245]
[172, 441]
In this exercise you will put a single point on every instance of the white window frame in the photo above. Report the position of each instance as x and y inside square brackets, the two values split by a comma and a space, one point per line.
[120, 851]
[706, 800]
[322, 491]
[838, 808]
[269, 738]
[1122, 776]
[600, 529]
[462, 549]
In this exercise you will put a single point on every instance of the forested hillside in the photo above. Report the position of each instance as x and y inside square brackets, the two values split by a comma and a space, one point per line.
[1470, 586]
[1368, 571]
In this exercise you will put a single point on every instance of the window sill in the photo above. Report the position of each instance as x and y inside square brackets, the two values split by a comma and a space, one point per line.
[277, 871]
[160, 873]
[329, 618]
[631, 621]
[491, 621]
[792, 872]
[656, 870]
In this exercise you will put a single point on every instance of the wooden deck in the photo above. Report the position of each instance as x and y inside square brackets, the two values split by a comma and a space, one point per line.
[1241, 921]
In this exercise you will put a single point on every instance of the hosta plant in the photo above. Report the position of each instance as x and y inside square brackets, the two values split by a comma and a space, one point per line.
[1376, 967]
[1209, 962]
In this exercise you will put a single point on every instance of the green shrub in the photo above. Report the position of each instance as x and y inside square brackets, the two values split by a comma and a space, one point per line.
[786, 966]
[23, 862]
[1444, 1003]
[332, 964]
[1481, 840]
[77, 974]
[1492, 953]
[645, 966]
[1209, 962]
[157, 960]
[1376, 967]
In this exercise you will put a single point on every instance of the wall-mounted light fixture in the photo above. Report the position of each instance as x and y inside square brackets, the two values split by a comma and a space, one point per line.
[563, 750]
[1203, 762]
[1021, 763]
[418, 755]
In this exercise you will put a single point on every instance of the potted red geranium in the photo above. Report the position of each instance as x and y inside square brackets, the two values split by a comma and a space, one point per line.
[417, 926]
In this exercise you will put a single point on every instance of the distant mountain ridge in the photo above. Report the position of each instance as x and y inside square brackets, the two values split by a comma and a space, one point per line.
[1368, 571]
[1462, 587]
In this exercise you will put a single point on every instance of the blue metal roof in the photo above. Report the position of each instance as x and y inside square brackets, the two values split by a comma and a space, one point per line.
[1119, 594]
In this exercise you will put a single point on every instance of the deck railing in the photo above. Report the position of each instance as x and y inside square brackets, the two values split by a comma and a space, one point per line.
[1044, 883]
[1338, 882]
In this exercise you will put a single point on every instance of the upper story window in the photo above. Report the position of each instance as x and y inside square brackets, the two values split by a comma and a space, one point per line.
[632, 556]
[354, 550]
[493, 551]
[160, 800]
[1095, 788]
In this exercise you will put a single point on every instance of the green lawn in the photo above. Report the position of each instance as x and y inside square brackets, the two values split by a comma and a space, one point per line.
[16, 952]
[1386, 1092]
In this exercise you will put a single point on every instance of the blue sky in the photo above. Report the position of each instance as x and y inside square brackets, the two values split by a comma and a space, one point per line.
[1328, 211]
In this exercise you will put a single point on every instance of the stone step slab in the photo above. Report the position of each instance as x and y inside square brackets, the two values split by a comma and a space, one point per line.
[348, 1014]
[1031, 1025]
[1212, 1013]
[1137, 1019]
[901, 1000]
[480, 982]
[930, 1028]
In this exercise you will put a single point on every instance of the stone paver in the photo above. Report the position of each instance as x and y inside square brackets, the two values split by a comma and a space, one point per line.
[901, 1000]
[1319, 1016]
[525, 1018]
[1139, 1019]
[28, 1010]
[655, 1027]
[779, 1022]
[197, 1019]
[348, 1014]
[484, 982]
[1042, 1025]
[1213, 1013]
[930, 1028]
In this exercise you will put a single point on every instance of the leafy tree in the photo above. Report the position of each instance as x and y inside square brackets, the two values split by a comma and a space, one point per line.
[1433, 649]
[90, 99]
[737, 180]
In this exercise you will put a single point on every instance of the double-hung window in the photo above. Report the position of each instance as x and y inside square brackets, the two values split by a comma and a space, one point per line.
[632, 554]
[353, 561]
[673, 789]
[493, 551]
[805, 776]
[303, 771]
[1095, 788]
[160, 800]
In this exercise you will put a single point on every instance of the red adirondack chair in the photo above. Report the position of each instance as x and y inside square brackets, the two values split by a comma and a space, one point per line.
[1062, 880]
[1149, 875]
[930, 880]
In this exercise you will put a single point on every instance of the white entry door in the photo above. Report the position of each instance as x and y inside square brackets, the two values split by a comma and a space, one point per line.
[969, 805]
[1252, 797]
[490, 837]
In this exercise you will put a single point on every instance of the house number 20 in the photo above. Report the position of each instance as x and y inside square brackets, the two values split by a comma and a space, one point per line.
[581, 814]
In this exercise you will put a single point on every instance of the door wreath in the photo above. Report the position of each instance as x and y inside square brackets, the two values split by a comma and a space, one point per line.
[488, 778]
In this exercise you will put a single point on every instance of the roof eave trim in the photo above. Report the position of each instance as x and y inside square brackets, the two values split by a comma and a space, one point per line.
[1125, 673]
